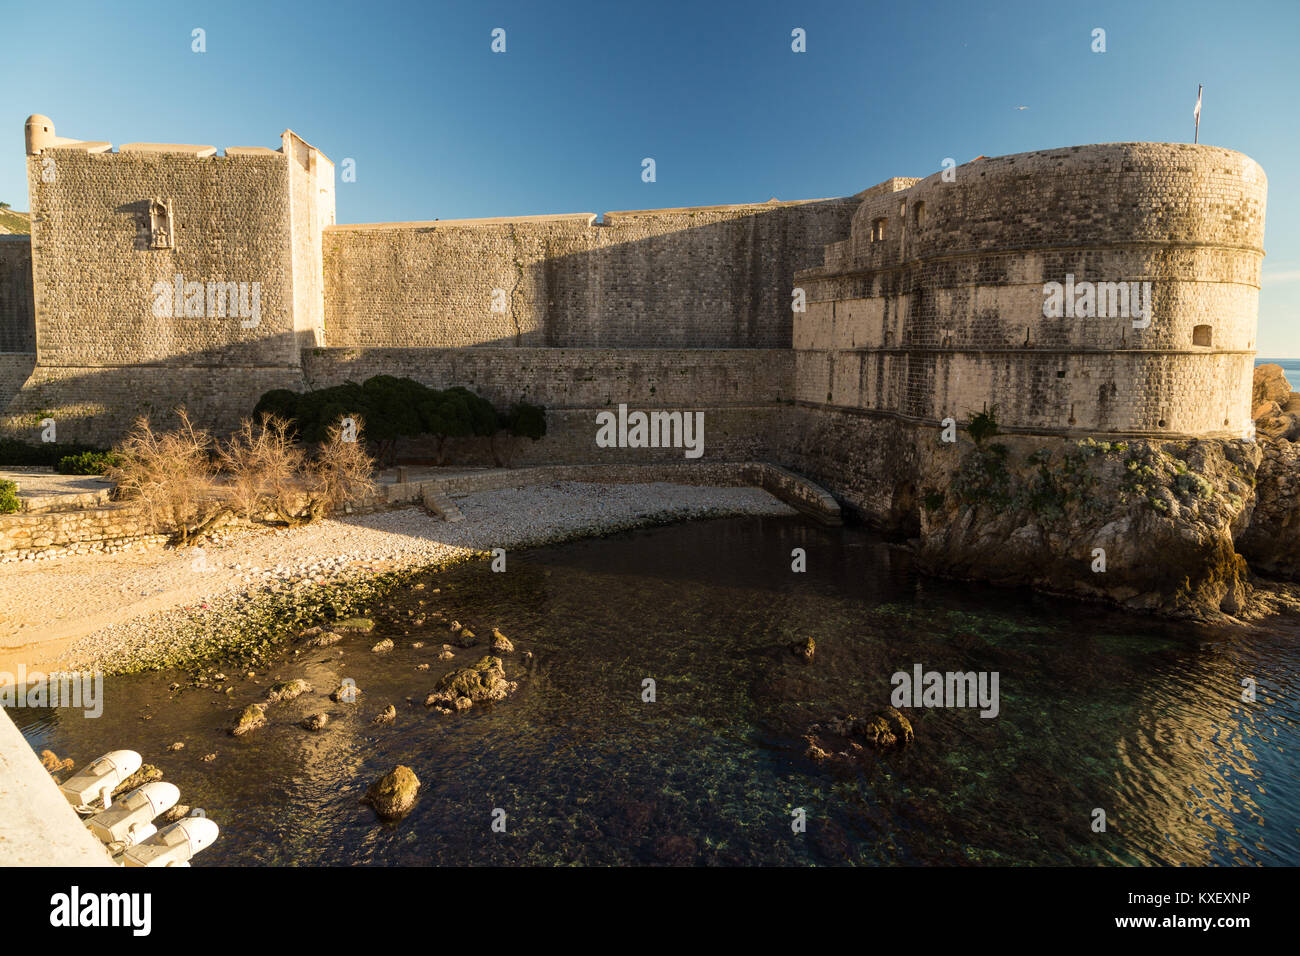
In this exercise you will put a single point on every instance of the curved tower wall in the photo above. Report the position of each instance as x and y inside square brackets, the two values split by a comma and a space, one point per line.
[934, 306]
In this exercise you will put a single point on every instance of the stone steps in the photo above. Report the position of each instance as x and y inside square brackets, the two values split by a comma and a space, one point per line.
[442, 506]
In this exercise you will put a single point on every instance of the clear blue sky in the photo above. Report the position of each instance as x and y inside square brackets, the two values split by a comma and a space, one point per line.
[442, 127]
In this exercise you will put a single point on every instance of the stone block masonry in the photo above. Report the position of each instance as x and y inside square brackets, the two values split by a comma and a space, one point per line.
[17, 310]
[710, 277]
[934, 305]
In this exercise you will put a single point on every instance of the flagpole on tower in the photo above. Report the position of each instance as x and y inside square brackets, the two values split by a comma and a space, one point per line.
[1197, 113]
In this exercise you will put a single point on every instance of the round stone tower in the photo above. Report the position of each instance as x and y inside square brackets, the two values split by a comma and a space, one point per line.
[40, 133]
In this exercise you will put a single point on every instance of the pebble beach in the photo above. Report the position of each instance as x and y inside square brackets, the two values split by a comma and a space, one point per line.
[141, 608]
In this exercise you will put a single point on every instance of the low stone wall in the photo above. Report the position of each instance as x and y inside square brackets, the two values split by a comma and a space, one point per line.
[53, 534]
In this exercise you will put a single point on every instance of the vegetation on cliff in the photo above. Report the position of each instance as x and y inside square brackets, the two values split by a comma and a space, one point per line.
[1146, 524]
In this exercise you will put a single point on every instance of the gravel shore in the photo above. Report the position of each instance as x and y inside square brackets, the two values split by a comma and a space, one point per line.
[124, 611]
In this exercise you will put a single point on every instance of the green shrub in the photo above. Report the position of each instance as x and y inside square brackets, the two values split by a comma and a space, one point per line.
[392, 408]
[1190, 484]
[280, 402]
[8, 497]
[525, 420]
[983, 425]
[16, 452]
[87, 463]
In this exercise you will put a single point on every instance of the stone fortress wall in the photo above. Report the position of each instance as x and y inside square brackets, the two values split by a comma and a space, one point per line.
[924, 301]
[933, 306]
[710, 277]
[17, 311]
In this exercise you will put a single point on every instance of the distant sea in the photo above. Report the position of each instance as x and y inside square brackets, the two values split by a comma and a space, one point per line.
[1290, 366]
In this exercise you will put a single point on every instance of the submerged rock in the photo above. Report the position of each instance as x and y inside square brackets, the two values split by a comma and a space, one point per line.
[316, 721]
[288, 690]
[393, 795]
[325, 639]
[347, 693]
[500, 643]
[385, 716]
[856, 738]
[146, 774]
[804, 649]
[363, 624]
[385, 645]
[254, 716]
[466, 638]
[466, 686]
[176, 813]
[51, 762]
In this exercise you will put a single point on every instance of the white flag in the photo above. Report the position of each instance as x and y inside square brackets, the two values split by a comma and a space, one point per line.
[1197, 112]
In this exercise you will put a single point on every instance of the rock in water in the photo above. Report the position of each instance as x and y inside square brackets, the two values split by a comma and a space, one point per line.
[288, 690]
[888, 728]
[176, 813]
[324, 640]
[363, 624]
[385, 645]
[501, 644]
[804, 649]
[385, 716]
[146, 774]
[466, 638]
[316, 721]
[347, 693]
[393, 794]
[842, 738]
[254, 716]
[466, 686]
[51, 762]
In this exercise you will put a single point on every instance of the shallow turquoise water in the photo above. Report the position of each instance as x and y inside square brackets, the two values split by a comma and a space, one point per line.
[1098, 710]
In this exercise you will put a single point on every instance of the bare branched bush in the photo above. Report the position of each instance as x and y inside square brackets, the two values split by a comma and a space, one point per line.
[172, 476]
[341, 471]
[264, 469]
[186, 483]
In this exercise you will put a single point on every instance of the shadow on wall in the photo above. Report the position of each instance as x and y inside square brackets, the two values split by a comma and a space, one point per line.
[740, 397]
[97, 406]
[17, 308]
[710, 277]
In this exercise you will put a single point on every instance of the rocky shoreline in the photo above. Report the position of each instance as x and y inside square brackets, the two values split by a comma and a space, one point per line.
[1181, 529]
